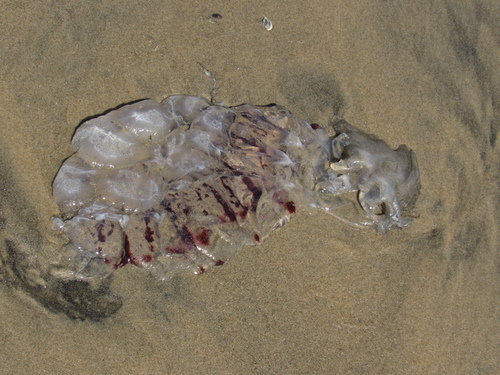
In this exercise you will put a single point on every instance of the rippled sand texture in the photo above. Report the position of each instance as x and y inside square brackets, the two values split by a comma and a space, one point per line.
[318, 296]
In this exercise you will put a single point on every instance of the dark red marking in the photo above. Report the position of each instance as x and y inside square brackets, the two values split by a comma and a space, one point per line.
[99, 227]
[164, 203]
[246, 141]
[290, 206]
[256, 118]
[217, 16]
[235, 201]
[256, 237]
[227, 209]
[263, 164]
[186, 236]
[202, 269]
[219, 262]
[185, 244]
[110, 232]
[223, 179]
[243, 213]
[148, 233]
[203, 238]
[126, 256]
[261, 133]
[256, 192]
[315, 126]
[147, 258]
[176, 250]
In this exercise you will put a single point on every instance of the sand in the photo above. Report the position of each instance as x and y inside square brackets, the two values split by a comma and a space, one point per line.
[318, 297]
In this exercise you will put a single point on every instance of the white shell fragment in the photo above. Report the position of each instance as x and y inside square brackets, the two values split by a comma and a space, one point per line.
[267, 23]
[185, 184]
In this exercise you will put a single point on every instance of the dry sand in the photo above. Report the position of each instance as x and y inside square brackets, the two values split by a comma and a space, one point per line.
[318, 297]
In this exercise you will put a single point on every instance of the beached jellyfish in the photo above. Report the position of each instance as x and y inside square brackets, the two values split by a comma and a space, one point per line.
[185, 184]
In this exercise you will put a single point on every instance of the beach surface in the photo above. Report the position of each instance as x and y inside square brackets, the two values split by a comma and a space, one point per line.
[318, 297]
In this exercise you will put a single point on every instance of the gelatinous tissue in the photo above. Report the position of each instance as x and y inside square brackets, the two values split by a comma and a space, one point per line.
[185, 184]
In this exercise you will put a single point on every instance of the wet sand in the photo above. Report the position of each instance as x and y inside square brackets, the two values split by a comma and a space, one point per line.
[318, 297]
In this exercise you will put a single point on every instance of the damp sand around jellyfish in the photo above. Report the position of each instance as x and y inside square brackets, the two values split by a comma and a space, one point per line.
[184, 184]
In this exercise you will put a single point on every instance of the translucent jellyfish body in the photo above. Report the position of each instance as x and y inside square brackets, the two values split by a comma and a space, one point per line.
[184, 184]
